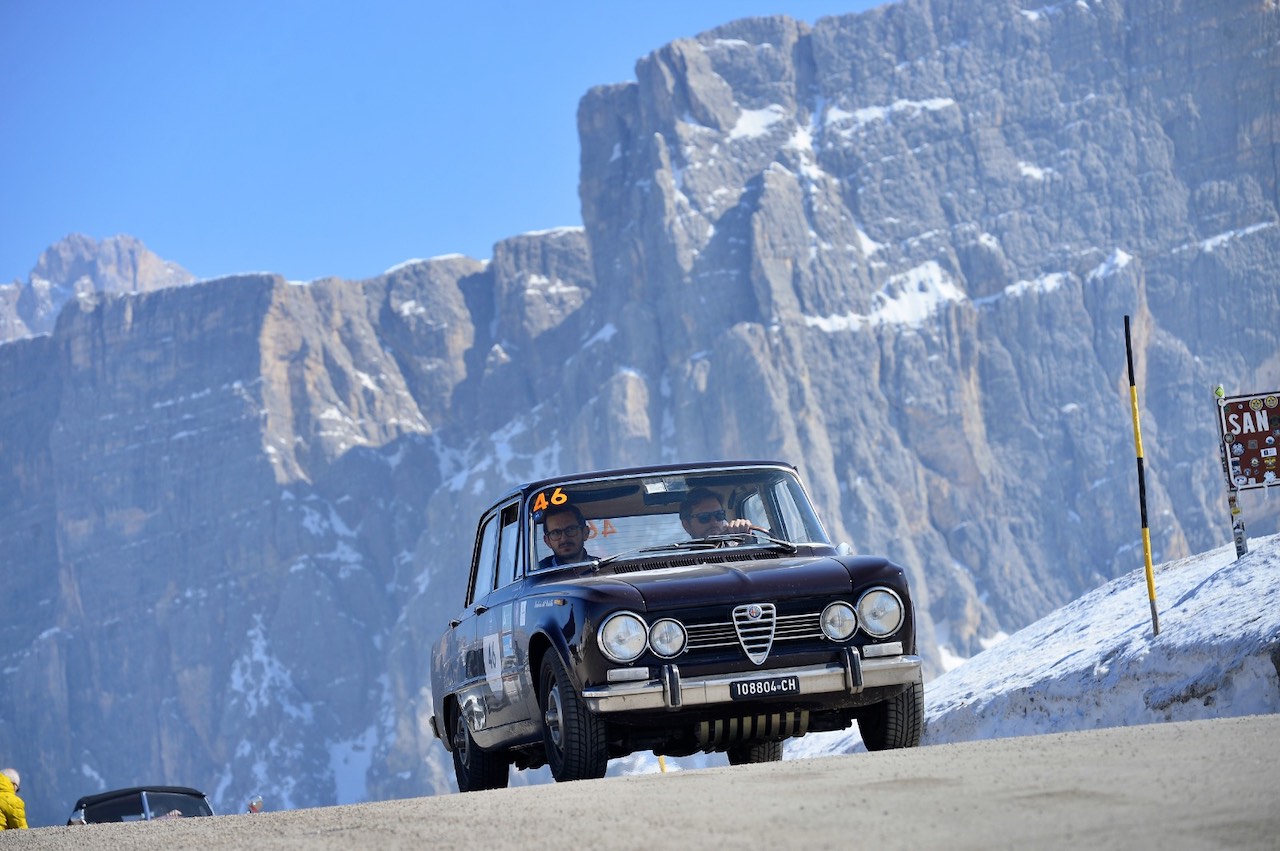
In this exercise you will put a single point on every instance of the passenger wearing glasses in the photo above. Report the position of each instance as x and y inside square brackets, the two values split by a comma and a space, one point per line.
[564, 530]
[703, 516]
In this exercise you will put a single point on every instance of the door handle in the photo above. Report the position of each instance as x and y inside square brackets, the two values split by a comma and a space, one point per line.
[480, 610]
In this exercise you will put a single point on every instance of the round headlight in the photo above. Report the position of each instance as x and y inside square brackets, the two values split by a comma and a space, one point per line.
[667, 638]
[839, 621]
[880, 612]
[622, 637]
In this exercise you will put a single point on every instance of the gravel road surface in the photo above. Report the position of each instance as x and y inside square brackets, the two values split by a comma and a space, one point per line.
[1200, 784]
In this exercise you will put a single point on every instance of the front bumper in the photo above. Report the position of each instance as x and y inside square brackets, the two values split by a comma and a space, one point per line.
[669, 691]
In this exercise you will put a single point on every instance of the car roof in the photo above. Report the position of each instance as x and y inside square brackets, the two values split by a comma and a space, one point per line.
[655, 469]
[91, 800]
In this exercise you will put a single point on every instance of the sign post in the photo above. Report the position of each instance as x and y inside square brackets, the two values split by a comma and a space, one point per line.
[1249, 432]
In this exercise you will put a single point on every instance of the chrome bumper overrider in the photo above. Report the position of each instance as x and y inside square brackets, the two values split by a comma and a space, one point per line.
[669, 691]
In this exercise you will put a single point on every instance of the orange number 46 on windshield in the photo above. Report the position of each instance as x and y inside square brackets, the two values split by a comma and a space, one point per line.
[542, 501]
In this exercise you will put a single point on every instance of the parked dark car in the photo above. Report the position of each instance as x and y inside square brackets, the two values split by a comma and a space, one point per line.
[659, 641]
[141, 803]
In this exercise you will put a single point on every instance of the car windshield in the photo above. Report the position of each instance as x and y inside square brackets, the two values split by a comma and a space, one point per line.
[642, 512]
[158, 805]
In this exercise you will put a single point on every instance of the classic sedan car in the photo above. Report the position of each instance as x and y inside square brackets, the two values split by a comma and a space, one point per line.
[141, 803]
[707, 612]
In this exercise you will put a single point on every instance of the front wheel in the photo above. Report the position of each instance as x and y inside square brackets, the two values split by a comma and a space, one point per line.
[894, 723]
[573, 735]
[476, 769]
[751, 752]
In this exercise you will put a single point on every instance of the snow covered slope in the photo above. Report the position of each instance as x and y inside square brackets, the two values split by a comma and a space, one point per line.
[1096, 663]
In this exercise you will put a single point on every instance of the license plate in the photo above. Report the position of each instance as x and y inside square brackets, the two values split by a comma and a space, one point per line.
[773, 687]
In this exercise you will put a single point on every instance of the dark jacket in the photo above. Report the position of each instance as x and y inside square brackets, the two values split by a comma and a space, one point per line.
[554, 561]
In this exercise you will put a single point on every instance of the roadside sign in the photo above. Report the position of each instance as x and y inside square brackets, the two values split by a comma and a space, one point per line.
[1250, 431]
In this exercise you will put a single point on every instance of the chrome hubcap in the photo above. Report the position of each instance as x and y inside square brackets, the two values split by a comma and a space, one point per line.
[552, 716]
[461, 741]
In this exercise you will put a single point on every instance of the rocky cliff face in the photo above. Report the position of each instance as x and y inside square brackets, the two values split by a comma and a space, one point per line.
[894, 248]
[915, 233]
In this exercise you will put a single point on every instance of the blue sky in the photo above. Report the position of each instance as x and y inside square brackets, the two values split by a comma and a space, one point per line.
[312, 138]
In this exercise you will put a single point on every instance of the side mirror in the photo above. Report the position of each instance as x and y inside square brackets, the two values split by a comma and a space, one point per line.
[844, 549]
[255, 804]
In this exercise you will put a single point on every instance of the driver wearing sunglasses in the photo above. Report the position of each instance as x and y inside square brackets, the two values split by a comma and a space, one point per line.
[564, 531]
[702, 514]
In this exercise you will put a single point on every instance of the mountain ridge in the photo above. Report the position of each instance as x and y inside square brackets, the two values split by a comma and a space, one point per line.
[894, 248]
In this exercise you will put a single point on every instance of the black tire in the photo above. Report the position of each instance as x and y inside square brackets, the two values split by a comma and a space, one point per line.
[751, 752]
[894, 723]
[573, 735]
[476, 769]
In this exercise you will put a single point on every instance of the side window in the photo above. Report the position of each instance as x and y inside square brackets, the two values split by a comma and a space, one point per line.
[796, 514]
[792, 521]
[508, 549]
[484, 563]
[752, 508]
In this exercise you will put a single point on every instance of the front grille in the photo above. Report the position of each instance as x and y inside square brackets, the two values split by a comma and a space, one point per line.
[708, 636]
[754, 623]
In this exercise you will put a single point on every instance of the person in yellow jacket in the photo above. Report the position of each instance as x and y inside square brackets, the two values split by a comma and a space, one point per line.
[13, 813]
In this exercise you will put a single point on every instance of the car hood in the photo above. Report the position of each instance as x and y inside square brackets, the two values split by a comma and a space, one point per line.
[768, 579]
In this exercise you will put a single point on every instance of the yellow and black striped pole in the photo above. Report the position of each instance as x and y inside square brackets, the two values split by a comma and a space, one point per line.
[1142, 482]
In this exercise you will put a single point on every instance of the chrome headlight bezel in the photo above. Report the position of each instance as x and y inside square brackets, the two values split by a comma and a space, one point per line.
[623, 637]
[839, 621]
[881, 612]
[668, 638]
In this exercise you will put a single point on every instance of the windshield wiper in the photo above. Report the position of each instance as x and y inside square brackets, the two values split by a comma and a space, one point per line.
[757, 532]
[711, 542]
[697, 544]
